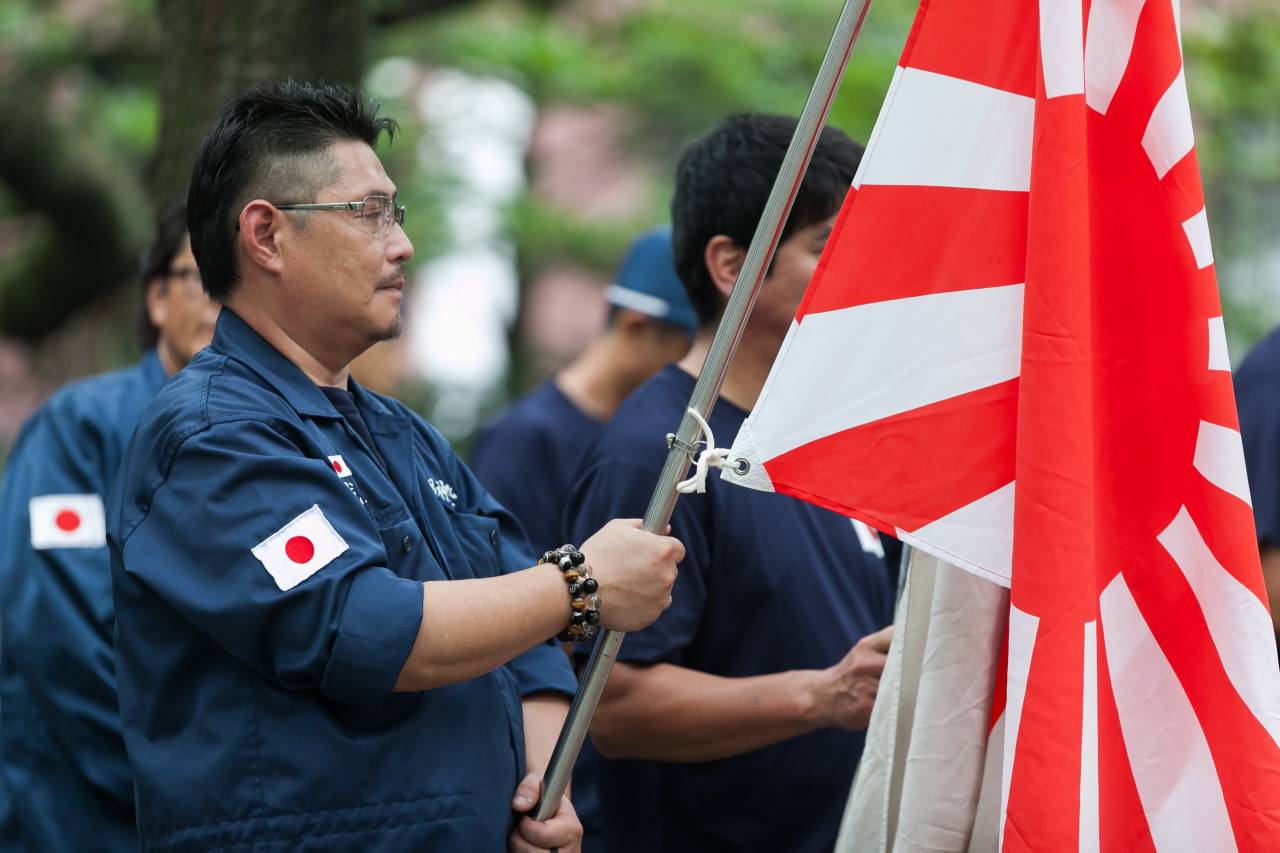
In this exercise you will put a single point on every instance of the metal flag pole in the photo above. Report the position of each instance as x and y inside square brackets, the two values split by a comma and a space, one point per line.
[741, 300]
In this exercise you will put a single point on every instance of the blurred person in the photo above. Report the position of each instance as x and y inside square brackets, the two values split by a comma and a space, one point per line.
[327, 634]
[63, 770]
[1257, 386]
[752, 692]
[528, 455]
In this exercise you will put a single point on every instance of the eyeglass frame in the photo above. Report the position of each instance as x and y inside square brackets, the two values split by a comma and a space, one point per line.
[397, 214]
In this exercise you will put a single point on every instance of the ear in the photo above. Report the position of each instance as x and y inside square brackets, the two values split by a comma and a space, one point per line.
[157, 307]
[724, 259]
[260, 231]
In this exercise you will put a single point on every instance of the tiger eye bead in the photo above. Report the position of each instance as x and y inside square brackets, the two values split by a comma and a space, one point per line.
[576, 630]
[578, 604]
[571, 576]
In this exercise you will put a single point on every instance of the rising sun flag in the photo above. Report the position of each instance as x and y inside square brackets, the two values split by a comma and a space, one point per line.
[1012, 356]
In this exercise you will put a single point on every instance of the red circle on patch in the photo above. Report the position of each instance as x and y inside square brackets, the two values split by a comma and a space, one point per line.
[67, 520]
[337, 466]
[299, 549]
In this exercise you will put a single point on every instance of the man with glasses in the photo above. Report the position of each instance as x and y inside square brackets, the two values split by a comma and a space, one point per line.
[330, 635]
[64, 777]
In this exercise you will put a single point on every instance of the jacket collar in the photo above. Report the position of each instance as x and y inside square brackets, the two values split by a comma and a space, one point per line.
[235, 338]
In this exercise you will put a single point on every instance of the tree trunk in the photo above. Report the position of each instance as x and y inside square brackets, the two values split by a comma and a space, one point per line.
[216, 47]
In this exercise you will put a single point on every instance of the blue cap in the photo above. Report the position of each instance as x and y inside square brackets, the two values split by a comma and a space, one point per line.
[647, 282]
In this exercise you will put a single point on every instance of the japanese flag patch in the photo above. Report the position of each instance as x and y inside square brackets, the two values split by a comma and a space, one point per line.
[301, 548]
[868, 538]
[67, 521]
[339, 466]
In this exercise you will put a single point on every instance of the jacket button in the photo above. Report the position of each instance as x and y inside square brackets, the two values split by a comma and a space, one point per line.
[406, 544]
[493, 537]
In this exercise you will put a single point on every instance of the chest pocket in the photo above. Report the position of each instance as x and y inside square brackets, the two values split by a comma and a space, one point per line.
[477, 543]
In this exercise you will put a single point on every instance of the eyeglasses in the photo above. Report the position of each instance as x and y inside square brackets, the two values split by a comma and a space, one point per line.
[376, 212]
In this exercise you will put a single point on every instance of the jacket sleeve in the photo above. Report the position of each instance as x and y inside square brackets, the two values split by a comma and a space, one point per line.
[266, 552]
[56, 601]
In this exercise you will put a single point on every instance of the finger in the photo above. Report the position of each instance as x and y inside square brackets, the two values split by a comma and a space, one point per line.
[560, 830]
[880, 640]
[526, 794]
[516, 844]
[871, 665]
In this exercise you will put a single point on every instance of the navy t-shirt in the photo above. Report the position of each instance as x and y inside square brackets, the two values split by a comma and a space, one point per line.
[526, 459]
[768, 584]
[1258, 398]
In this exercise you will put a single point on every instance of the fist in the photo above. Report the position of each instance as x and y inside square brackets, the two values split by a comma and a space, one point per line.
[635, 570]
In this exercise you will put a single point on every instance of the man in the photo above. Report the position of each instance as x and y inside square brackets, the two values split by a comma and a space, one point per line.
[323, 637]
[63, 772]
[753, 689]
[1257, 383]
[528, 456]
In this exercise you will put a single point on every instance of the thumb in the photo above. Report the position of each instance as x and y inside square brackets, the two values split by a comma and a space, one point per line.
[526, 793]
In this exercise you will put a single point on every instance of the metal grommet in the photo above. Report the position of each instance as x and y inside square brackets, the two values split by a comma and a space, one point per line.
[741, 467]
[406, 544]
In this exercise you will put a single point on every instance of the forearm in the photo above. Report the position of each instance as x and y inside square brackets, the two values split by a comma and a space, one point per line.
[544, 716]
[470, 627]
[670, 713]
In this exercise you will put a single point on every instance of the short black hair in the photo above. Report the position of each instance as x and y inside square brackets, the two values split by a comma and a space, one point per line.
[157, 259]
[723, 183]
[268, 142]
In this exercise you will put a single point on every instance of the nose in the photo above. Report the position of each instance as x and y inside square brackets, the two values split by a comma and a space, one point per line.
[399, 247]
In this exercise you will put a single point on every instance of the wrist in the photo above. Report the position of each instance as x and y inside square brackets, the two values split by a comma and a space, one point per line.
[582, 590]
[811, 698]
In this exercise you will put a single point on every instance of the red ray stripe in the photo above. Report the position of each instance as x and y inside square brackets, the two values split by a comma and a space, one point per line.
[1122, 822]
[991, 42]
[910, 469]
[1226, 524]
[897, 242]
[1153, 66]
[1247, 759]
[1044, 792]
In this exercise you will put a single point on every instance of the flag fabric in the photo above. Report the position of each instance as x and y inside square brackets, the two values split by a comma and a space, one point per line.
[1012, 355]
[67, 521]
[301, 548]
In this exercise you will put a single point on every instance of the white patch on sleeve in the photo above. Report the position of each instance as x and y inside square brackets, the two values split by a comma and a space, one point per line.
[67, 521]
[869, 539]
[339, 466]
[301, 548]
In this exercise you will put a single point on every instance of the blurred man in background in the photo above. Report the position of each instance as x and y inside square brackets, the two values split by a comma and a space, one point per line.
[65, 777]
[753, 690]
[1257, 383]
[529, 454]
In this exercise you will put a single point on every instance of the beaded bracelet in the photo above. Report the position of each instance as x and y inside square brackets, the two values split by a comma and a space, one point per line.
[584, 603]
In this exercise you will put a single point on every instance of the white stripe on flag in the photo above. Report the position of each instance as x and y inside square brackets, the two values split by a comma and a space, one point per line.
[1197, 231]
[1239, 622]
[1062, 47]
[928, 349]
[1220, 458]
[1169, 136]
[977, 537]
[1022, 641]
[1168, 754]
[940, 131]
[1219, 359]
[874, 140]
[1112, 26]
[1090, 838]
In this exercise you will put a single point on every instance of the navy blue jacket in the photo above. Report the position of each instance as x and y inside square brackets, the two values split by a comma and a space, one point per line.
[65, 778]
[256, 693]
[1257, 383]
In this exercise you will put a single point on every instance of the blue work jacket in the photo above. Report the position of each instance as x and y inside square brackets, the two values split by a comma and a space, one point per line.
[64, 777]
[268, 579]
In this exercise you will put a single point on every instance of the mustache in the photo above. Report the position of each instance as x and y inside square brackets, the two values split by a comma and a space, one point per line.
[395, 279]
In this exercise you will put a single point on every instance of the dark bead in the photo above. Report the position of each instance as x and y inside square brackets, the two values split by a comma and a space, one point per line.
[574, 589]
[566, 563]
[577, 617]
[593, 617]
[589, 586]
[577, 557]
[548, 557]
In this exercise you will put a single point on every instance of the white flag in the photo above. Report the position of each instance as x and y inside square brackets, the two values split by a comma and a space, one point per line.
[67, 521]
[301, 548]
